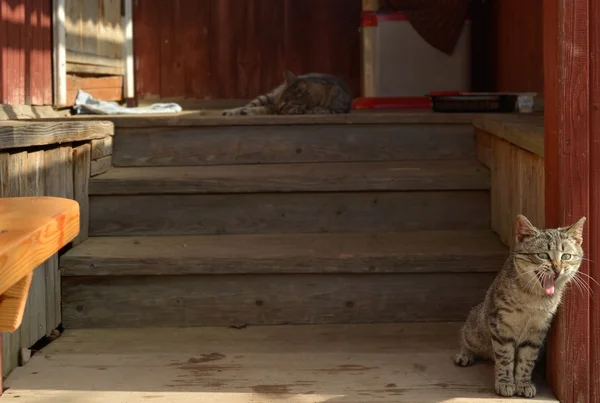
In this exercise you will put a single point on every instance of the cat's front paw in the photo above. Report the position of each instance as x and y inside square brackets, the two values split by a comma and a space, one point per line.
[505, 389]
[526, 390]
[463, 359]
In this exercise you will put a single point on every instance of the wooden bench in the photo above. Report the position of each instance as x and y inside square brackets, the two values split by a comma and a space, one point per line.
[32, 229]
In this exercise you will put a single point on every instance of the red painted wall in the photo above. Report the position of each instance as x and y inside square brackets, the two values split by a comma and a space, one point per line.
[26, 52]
[232, 49]
[519, 45]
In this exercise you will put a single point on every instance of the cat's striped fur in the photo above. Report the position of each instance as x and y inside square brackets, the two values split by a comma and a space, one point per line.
[313, 93]
[511, 324]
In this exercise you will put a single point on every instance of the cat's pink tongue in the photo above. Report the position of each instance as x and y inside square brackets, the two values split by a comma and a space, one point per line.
[548, 284]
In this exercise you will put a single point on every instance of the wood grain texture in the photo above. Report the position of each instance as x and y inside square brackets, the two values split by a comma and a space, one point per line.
[402, 175]
[25, 52]
[387, 363]
[293, 212]
[571, 119]
[257, 39]
[288, 144]
[100, 165]
[28, 134]
[519, 45]
[103, 88]
[197, 118]
[33, 229]
[524, 131]
[36, 304]
[144, 301]
[12, 304]
[81, 177]
[410, 252]
[101, 147]
[58, 172]
[517, 184]
[594, 203]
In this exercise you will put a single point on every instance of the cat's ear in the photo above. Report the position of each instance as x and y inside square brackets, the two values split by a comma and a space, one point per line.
[289, 77]
[524, 228]
[575, 231]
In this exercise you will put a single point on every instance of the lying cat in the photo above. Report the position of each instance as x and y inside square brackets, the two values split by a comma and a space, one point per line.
[313, 93]
[511, 324]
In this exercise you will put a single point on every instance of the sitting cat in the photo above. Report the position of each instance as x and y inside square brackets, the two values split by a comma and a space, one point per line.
[511, 324]
[313, 93]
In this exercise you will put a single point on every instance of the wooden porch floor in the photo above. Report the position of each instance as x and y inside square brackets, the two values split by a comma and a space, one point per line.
[294, 364]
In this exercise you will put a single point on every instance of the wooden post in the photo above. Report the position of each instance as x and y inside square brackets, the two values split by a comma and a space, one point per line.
[572, 153]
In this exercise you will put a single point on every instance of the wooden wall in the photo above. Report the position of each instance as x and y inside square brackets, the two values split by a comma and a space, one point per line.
[519, 45]
[232, 49]
[48, 159]
[517, 183]
[94, 36]
[26, 52]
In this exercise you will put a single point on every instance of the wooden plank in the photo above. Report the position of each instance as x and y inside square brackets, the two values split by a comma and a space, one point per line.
[100, 165]
[94, 59]
[146, 39]
[16, 186]
[284, 363]
[102, 147]
[155, 301]
[103, 88]
[421, 252]
[58, 172]
[203, 119]
[35, 228]
[288, 144]
[524, 131]
[128, 55]
[12, 307]
[483, 147]
[28, 134]
[53, 294]
[571, 126]
[288, 212]
[59, 53]
[36, 304]
[402, 175]
[517, 184]
[594, 203]
[81, 175]
[92, 69]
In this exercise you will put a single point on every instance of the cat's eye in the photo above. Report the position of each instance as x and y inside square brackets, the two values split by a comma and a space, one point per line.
[543, 256]
[566, 256]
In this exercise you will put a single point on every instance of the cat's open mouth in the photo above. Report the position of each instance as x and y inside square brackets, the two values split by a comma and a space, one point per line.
[547, 280]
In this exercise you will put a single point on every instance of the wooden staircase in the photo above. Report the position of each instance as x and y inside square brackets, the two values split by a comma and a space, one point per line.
[284, 221]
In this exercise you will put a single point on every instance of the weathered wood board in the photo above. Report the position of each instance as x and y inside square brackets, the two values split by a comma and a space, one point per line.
[154, 301]
[332, 177]
[387, 363]
[220, 145]
[517, 177]
[404, 252]
[287, 212]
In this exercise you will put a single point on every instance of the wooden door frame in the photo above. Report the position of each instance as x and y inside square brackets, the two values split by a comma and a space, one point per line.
[572, 183]
[59, 52]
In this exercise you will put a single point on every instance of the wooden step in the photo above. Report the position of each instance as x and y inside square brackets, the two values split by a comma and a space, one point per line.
[309, 177]
[288, 212]
[403, 252]
[388, 363]
[271, 141]
[257, 279]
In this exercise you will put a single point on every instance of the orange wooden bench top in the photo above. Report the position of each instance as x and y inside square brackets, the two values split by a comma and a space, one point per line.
[32, 229]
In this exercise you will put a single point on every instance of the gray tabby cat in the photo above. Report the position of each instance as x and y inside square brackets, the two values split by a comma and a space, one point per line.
[313, 93]
[511, 324]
